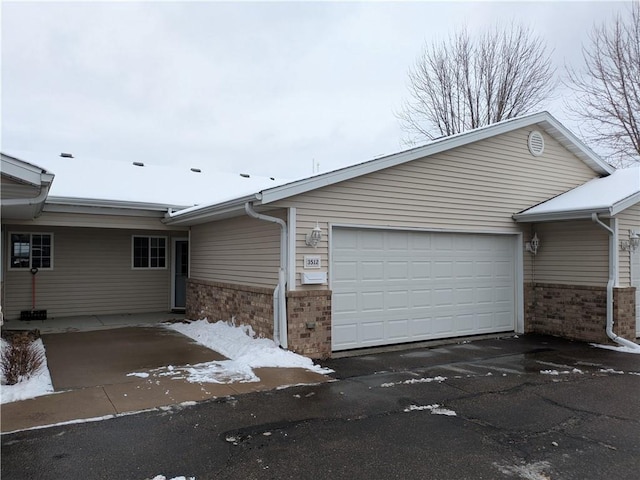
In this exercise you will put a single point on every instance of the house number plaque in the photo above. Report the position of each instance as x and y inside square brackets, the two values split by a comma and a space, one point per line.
[312, 261]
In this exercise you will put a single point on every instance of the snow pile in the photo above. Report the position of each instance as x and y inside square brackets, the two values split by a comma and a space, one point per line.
[435, 409]
[563, 372]
[38, 384]
[413, 381]
[162, 477]
[244, 351]
[618, 348]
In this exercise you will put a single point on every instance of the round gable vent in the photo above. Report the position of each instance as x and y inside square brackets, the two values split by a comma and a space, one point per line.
[536, 143]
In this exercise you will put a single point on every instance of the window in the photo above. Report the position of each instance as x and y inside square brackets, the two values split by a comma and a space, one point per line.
[31, 250]
[149, 252]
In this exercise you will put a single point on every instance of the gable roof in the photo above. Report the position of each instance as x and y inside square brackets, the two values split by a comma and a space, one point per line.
[542, 120]
[606, 196]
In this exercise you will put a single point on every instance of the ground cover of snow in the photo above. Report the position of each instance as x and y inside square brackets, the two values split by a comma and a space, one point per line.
[34, 386]
[244, 351]
[618, 348]
[435, 409]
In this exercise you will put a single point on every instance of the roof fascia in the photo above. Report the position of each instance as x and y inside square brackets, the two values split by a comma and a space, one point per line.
[550, 125]
[120, 204]
[25, 172]
[87, 210]
[231, 208]
[625, 203]
[564, 215]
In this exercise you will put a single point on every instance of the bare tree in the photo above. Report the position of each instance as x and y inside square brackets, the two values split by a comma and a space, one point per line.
[607, 99]
[464, 83]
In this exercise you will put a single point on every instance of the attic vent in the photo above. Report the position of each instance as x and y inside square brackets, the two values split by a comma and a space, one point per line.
[66, 155]
[197, 170]
[536, 143]
[245, 175]
[138, 164]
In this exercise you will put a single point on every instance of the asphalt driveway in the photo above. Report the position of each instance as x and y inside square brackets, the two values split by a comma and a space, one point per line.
[533, 408]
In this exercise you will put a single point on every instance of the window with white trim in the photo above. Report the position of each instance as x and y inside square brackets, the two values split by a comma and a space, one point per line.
[149, 252]
[31, 250]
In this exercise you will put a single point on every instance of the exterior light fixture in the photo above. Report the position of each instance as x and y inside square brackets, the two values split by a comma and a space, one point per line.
[632, 244]
[314, 236]
[532, 246]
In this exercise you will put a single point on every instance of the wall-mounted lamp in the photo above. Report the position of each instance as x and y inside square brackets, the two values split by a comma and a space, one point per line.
[533, 245]
[632, 244]
[314, 236]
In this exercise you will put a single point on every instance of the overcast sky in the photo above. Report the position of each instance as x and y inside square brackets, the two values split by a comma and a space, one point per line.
[263, 88]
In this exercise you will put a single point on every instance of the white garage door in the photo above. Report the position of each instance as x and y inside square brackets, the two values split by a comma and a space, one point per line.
[635, 281]
[398, 286]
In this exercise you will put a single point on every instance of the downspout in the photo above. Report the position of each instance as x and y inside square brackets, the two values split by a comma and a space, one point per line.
[613, 275]
[280, 292]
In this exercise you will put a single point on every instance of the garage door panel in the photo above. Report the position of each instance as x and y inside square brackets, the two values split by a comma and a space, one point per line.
[406, 286]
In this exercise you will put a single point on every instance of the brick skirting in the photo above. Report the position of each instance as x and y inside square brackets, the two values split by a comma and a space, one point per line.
[225, 301]
[578, 312]
[308, 312]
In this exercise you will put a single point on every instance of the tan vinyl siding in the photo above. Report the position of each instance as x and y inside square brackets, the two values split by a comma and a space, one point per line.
[629, 219]
[473, 188]
[92, 274]
[13, 189]
[574, 253]
[132, 221]
[240, 250]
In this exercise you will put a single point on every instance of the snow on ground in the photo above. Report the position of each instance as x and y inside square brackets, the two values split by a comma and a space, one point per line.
[618, 348]
[244, 351]
[162, 477]
[435, 409]
[561, 372]
[412, 381]
[36, 385]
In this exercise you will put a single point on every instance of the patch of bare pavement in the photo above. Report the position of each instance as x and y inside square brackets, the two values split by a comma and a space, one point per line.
[513, 408]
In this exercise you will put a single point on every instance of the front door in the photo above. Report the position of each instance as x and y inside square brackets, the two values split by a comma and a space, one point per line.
[180, 273]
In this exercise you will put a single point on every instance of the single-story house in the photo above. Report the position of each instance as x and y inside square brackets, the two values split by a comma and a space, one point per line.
[513, 227]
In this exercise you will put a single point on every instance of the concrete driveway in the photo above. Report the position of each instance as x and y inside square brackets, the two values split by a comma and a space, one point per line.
[534, 408]
[91, 372]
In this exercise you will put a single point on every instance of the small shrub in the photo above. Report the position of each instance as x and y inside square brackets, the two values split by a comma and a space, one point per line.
[20, 359]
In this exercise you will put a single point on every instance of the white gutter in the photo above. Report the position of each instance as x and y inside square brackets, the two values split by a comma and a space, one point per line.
[280, 292]
[42, 196]
[613, 275]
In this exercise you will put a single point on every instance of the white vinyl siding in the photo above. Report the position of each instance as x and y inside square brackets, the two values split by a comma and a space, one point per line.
[473, 188]
[573, 252]
[239, 250]
[628, 219]
[394, 286]
[92, 275]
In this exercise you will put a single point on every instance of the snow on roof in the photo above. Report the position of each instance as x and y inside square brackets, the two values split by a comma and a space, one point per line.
[607, 195]
[130, 181]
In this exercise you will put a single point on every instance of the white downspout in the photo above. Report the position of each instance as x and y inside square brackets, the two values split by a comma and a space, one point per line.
[280, 292]
[613, 276]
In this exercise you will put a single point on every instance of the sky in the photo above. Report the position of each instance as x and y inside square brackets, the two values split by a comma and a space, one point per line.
[268, 88]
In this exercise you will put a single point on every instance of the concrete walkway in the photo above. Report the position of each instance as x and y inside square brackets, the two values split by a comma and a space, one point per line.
[91, 373]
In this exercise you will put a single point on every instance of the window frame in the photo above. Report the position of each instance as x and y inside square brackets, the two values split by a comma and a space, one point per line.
[149, 250]
[30, 266]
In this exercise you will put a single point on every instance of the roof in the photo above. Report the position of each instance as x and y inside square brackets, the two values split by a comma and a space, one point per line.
[606, 196]
[93, 182]
[542, 120]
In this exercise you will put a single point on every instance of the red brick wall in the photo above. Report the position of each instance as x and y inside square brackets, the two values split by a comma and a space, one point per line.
[223, 301]
[309, 315]
[308, 312]
[624, 312]
[577, 312]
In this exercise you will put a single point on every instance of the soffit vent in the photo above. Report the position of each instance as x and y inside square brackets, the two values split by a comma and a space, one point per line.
[536, 143]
